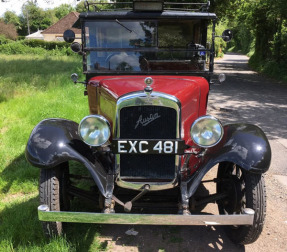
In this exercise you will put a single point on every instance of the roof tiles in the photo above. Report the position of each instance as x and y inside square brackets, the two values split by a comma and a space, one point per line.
[64, 24]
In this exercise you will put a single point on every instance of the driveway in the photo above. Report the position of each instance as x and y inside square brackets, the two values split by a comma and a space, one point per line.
[251, 98]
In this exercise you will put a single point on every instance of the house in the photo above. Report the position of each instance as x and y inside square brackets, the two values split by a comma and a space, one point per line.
[55, 31]
[35, 35]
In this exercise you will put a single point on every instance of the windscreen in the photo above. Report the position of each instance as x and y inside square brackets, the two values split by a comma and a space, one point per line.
[146, 46]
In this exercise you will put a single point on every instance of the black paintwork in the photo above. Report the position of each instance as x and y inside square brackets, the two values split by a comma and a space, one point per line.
[130, 15]
[55, 141]
[243, 144]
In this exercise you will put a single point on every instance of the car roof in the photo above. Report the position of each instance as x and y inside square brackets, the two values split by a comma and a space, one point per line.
[146, 15]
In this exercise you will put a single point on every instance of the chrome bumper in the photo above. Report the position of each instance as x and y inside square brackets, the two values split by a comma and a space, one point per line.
[146, 219]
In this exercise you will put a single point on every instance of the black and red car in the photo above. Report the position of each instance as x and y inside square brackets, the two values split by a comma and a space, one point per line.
[147, 142]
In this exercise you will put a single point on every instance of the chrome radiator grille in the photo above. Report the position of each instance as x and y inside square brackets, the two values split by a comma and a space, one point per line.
[147, 122]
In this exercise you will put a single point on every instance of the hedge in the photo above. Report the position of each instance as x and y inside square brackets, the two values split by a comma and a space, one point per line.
[48, 45]
[36, 47]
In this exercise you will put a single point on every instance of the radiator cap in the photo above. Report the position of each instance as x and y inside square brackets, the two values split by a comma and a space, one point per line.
[148, 81]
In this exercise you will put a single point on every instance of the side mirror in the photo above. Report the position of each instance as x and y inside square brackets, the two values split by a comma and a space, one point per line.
[227, 35]
[69, 36]
[76, 47]
[220, 79]
[74, 77]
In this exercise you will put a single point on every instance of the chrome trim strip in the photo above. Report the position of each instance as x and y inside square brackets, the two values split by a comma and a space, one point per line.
[246, 218]
[141, 98]
[154, 186]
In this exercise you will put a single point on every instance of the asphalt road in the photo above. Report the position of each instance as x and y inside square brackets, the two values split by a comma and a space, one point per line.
[251, 98]
[244, 97]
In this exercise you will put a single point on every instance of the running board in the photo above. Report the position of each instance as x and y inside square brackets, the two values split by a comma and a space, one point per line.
[146, 219]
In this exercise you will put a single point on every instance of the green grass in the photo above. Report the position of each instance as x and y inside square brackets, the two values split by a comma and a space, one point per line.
[33, 88]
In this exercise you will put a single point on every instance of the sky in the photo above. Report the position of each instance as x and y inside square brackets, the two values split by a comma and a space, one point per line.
[15, 5]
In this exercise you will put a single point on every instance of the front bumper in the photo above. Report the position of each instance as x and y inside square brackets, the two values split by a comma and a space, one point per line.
[146, 219]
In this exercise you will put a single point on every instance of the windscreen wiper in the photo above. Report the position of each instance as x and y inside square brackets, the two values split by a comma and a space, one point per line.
[121, 24]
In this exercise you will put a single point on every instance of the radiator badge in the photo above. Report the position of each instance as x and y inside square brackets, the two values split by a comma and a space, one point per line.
[145, 121]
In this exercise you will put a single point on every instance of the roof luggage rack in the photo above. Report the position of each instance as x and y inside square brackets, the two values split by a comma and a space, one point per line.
[147, 5]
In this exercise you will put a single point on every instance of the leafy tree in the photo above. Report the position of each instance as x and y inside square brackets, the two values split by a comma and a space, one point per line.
[81, 7]
[50, 14]
[34, 18]
[63, 10]
[10, 17]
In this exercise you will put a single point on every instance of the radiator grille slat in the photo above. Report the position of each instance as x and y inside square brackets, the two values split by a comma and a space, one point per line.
[148, 122]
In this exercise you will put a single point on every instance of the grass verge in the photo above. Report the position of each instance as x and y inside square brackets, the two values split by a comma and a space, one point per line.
[33, 88]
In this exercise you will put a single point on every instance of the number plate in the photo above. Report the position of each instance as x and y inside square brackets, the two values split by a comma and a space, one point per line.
[128, 146]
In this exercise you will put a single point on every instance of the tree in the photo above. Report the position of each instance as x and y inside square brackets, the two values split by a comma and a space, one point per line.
[11, 18]
[81, 7]
[34, 18]
[63, 10]
[50, 14]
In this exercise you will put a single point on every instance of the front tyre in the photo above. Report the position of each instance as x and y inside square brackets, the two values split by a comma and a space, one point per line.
[53, 193]
[245, 190]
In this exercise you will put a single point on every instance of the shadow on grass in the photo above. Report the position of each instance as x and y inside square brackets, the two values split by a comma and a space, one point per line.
[20, 72]
[19, 224]
[21, 229]
[37, 65]
[19, 173]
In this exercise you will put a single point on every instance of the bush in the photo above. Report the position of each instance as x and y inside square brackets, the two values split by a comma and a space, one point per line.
[38, 47]
[8, 30]
[48, 45]
[21, 37]
[20, 47]
[4, 40]
[269, 68]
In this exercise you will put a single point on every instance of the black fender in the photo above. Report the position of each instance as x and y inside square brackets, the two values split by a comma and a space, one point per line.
[54, 141]
[243, 144]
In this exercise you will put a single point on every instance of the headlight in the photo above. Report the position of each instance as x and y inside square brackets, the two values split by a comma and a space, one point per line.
[94, 130]
[206, 131]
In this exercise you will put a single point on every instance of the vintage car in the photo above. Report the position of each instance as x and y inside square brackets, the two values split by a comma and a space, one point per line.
[147, 142]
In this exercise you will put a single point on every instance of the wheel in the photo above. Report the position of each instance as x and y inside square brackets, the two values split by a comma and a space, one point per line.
[53, 192]
[245, 190]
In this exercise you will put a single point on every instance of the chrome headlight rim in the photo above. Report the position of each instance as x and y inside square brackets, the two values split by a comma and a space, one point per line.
[204, 118]
[98, 117]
